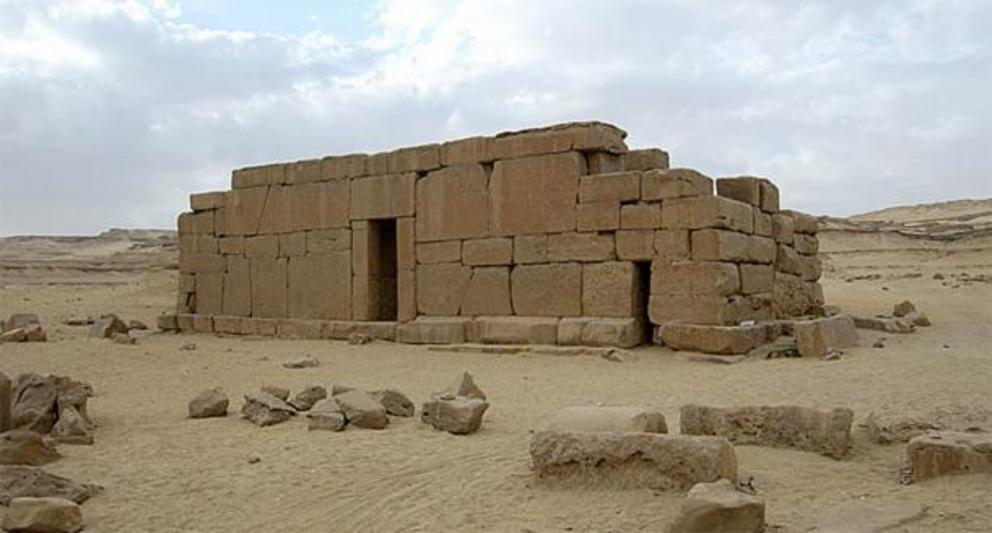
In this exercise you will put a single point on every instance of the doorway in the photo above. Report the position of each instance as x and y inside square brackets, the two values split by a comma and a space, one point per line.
[642, 295]
[382, 302]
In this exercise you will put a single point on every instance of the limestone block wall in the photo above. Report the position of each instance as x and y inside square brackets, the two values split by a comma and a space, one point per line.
[559, 224]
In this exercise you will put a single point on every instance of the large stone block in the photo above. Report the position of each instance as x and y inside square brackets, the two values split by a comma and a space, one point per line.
[769, 196]
[694, 278]
[699, 309]
[631, 460]
[610, 289]
[783, 229]
[441, 288]
[305, 171]
[198, 244]
[207, 200]
[581, 137]
[672, 244]
[941, 453]
[640, 216]
[787, 260]
[674, 183]
[201, 223]
[817, 337]
[327, 240]
[406, 294]
[386, 196]
[707, 212]
[343, 166]
[516, 330]
[491, 251]
[810, 267]
[468, 151]
[319, 205]
[231, 245]
[724, 340]
[243, 210]
[806, 244]
[258, 175]
[646, 159]
[535, 194]
[790, 297]
[803, 223]
[237, 283]
[585, 246]
[604, 162]
[293, 244]
[262, 246]
[439, 252]
[598, 216]
[201, 263]
[758, 192]
[802, 428]
[607, 419]
[414, 159]
[615, 187]
[209, 293]
[320, 286]
[453, 203]
[757, 278]
[406, 252]
[547, 290]
[433, 330]
[720, 245]
[530, 249]
[277, 213]
[269, 281]
[719, 507]
[762, 250]
[635, 245]
[488, 292]
[619, 332]
[763, 224]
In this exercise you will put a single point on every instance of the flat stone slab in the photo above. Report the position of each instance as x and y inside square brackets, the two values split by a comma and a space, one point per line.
[887, 427]
[817, 337]
[727, 340]
[940, 453]
[631, 460]
[871, 516]
[620, 419]
[824, 432]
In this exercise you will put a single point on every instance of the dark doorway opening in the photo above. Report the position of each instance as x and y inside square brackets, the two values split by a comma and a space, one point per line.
[642, 293]
[383, 302]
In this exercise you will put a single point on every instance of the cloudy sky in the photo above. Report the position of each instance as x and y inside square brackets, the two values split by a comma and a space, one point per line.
[112, 112]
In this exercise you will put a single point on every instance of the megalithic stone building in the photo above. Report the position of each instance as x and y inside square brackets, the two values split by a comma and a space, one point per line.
[550, 235]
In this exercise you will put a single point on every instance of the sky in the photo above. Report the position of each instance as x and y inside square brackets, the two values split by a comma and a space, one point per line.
[112, 112]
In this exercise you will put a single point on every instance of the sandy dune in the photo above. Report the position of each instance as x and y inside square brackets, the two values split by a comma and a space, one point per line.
[163, 472]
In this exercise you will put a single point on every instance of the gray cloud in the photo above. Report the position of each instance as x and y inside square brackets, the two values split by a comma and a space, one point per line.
[110, 116]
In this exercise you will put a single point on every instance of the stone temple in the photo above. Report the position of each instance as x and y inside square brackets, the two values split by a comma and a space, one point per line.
[554, 235]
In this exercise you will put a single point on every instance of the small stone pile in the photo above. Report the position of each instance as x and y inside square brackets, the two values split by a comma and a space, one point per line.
[22, 327]
[904, 319]
[111, 326]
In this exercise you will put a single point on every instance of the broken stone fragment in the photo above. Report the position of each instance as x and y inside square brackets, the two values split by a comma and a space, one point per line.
[279, 392]
[22, 447]
[326, 415]
[34, 403]
[361, 409]
[48, 515]
[903, 308]
[455, 414]
[123, 338]
[306, 398]
[137, 324]
[308, 361]
[263, 409]
[395, 402]
[106, 326]
[719, 506]
[72, 428]
[21, 321]
[871, 516]
[209, 403]
[608, 419]
[817, 337]
[20, 481]
[886, 324]
[464, 385]
[940, 453]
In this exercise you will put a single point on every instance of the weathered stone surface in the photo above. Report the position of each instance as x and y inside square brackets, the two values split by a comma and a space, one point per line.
[306, 361]
[488, 292]
[888, 325]
[577, 136]
[598, 216]
[547, 290]
[516, 330]
[34, 403]
[468, 151]
[631, 460]
[720, 245]
[727, 340]
[453, 203]
[581, 246]
[640, 216]
[757, 279]
[432, 330]
[362, 410]
[455, 414]
[72, 427]
[343, 166]
[611, 289]
[243, 210]
[439, 252]
[674, 183]
[570, 330]
[824, 432]
[491, 251]
[622, 419]
[530, 249]
[441, 288]
[614, 187]
[279, 392]
[803, 223]
[293, 244]
[209, 293]
[817, 337]
[395, 402]
[604, 162]
[672, 245]
[719, 507]
[903, 308]
[196, 223]
[48, 515]
[264, 409]
[783, 228]
[21, 321]
[207, 200]
[106, 326]
[328, 240]
[319, 205]
[871, 516]
[688, 278]
[790, 297]
[326, 415]
[889, 426]
[383, 196]
[806, 244]
[646, 159]
[29, 481]
[535, 194]
[269, 287]
[209, 403]
[463, 385]
[6, 400]
[763, 224]
[637, 245]
[258, 175]
[306, 398]
[699, 309]
[618, 332]
[941, 453]
[319, 286]
[23, 447]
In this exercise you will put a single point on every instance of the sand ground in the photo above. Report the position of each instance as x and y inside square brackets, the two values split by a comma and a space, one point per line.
[164, 472]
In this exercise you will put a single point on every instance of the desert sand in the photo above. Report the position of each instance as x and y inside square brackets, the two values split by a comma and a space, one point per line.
[164, 472]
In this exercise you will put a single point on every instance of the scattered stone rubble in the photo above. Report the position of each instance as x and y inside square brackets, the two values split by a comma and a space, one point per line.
[556, 235]
[22, 327]
[824, 432]
[52, 405]
[719, 507]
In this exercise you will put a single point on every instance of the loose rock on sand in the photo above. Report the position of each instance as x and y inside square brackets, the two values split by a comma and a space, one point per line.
[47, 515]
[264, 409]
[209, 403]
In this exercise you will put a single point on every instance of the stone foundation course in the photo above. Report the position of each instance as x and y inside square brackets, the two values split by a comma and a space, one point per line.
[553, 235]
